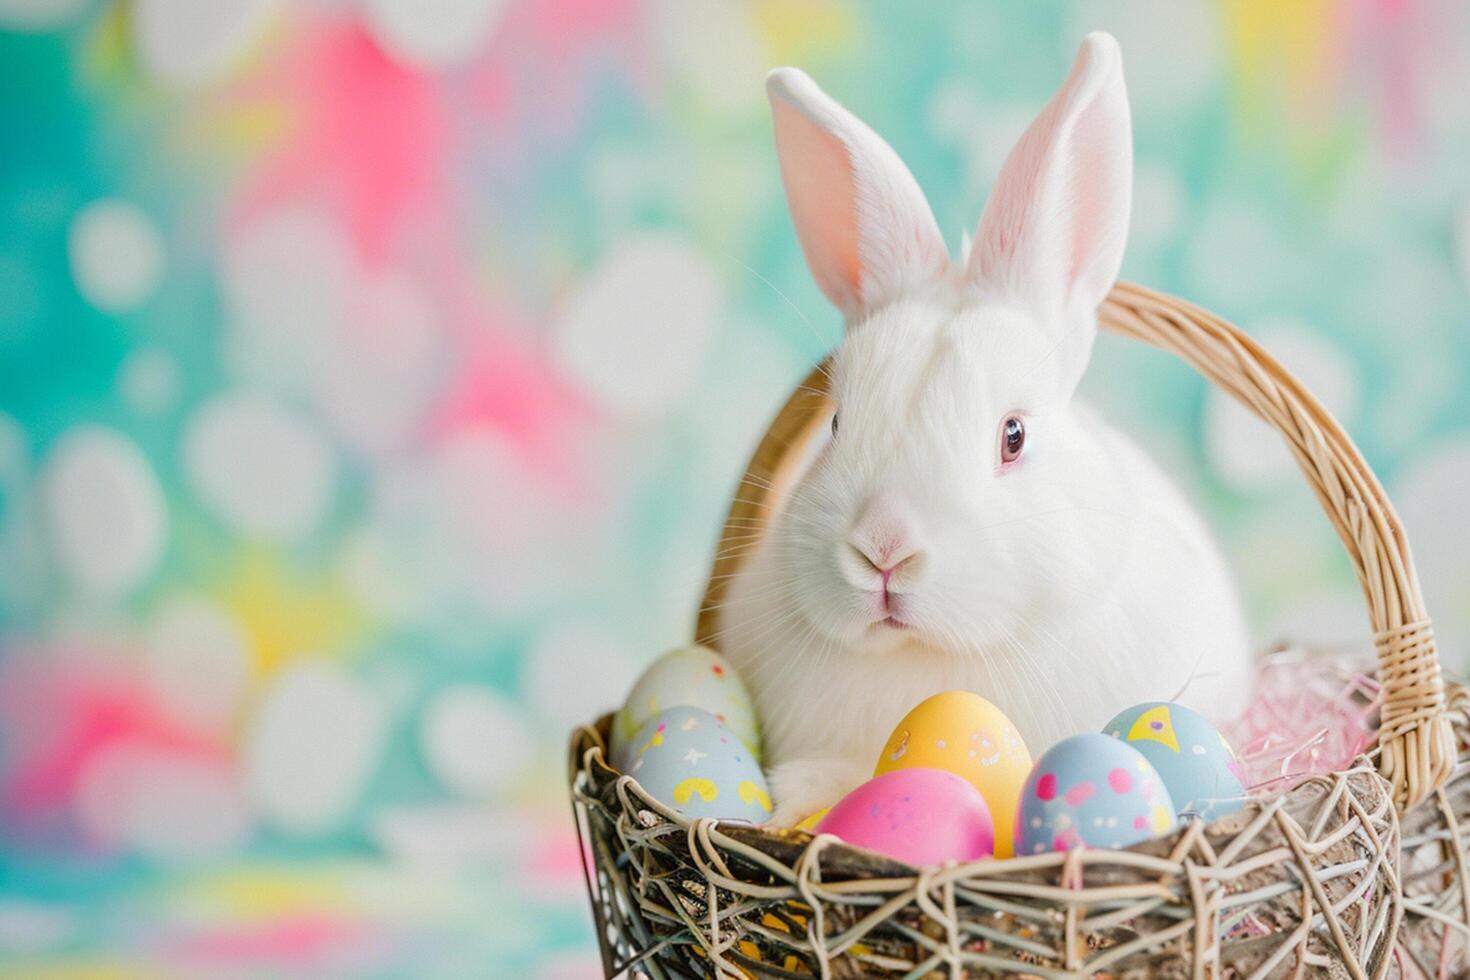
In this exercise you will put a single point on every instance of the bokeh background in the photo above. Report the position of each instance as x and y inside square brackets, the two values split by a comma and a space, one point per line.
[374, 375]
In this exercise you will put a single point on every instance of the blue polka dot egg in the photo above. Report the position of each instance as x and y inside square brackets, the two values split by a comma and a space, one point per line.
[1091, 791]
[688, 759]
[1197, 764]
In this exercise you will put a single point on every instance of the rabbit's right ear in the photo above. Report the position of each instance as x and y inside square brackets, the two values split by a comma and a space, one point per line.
[864, 225]
[1055, 225]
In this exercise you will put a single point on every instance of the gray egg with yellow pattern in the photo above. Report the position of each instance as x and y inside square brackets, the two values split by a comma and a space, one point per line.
[686, 758]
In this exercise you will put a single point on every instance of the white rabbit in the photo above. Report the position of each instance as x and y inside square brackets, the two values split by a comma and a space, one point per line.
[969, 524]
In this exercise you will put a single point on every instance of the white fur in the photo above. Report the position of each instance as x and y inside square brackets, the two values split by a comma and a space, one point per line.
[1065, 587]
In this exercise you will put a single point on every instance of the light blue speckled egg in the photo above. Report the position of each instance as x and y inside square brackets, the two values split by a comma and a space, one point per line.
[1197, 764]
[694, 676]
[1093, 791]
[684, 757]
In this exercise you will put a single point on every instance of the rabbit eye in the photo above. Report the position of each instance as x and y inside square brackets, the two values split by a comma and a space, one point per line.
[834, 425]
[1012, 438]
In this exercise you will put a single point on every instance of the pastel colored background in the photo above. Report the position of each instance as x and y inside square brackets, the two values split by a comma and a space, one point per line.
[374, 375]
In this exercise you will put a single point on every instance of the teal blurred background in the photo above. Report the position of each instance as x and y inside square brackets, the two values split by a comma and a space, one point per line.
[374, 375]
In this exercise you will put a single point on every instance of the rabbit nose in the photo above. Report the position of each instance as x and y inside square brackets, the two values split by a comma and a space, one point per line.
[883, 541]
[886, 559]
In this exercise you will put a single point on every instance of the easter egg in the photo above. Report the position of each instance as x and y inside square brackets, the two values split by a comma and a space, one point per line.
[964, 734]
[1091, 790]
[809, 822]
[1198, 766]
[917, 816]
[694, 676]
[687, 759]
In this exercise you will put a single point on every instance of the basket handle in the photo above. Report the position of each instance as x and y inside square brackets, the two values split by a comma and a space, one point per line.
[1416, 744]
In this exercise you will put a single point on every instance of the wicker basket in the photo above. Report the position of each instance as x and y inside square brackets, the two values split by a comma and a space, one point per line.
[1361, 873]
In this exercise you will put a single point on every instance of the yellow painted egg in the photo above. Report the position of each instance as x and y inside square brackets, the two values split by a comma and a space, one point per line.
[967, 735]
[809, 822]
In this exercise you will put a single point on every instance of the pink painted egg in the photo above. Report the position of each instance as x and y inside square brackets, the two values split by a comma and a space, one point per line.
[917, 816]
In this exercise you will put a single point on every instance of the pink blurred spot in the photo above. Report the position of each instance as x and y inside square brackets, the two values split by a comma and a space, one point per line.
[59, 715]
[1121, 780]
[505, 383]
[501, 385]
[557, 856]
[570, 966]
[297, 940]
[1046, 787]
[1066, 841]
[1402, 50]
[1080, 794]
[371, 137]
[1146, 788]
[1140, 822]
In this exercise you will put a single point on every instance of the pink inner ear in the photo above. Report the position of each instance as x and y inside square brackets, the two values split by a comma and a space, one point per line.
[1092, 179]
[817, 169]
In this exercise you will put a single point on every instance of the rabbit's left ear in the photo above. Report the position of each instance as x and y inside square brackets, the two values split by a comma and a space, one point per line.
[864, 225]
[1056, 223]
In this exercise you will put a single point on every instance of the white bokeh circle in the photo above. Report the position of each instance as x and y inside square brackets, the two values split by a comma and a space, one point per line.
[634, 334]
[39, 15]
[309, 750]
[1174, 52]
[29, 928]
[574, 673]
[373, 572]
[1159, 197]
[260, 467]
[451, 836]
[105, 510]
[1462, 243]
[474, 740]
[433, 34]
[148, 381]
[983, 132]
[103, 790]
[364, 347]
[184, 809]
[13, 452]
[193, 42]
[116, 253]
[375, 388]
[1223, 235]
[1246, 452]
[717, 54]
[196, 661]
[161, 805]
[1429, 496]
[288, 281]
[1328, 621]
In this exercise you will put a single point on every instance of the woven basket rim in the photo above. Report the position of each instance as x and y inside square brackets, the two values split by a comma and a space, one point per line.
[1320, 861]
[821, 869]
[1416, 748]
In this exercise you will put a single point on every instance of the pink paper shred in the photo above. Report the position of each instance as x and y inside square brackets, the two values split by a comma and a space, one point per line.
[1310, 714]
